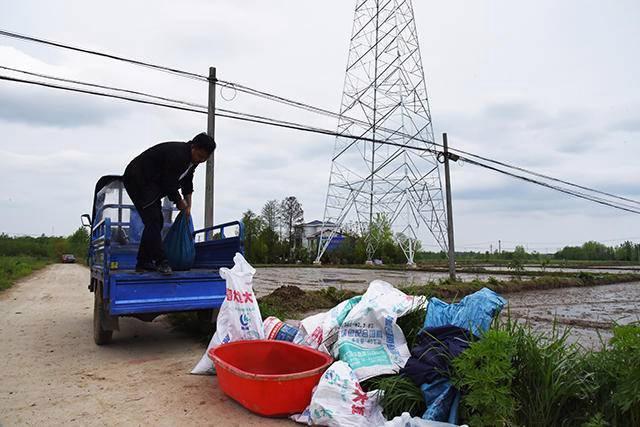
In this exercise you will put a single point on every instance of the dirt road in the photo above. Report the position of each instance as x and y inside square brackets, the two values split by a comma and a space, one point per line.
[51, 372]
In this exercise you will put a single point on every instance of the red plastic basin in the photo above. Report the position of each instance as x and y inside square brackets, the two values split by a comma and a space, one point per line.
[270, 378]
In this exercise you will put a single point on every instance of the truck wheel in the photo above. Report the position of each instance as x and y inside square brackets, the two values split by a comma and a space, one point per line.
[100, 335]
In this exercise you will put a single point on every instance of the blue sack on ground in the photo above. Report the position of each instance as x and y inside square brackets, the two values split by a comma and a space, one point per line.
[179, 246]
[474, 312]
[442, 401]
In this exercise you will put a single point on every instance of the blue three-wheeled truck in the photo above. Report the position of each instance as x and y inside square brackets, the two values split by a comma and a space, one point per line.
[119, 290]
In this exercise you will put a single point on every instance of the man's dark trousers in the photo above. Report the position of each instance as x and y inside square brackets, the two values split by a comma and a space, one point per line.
[151, 248]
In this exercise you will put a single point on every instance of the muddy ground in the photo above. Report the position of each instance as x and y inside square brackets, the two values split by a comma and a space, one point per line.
[589, 312]
[51, 372]
[309, 278]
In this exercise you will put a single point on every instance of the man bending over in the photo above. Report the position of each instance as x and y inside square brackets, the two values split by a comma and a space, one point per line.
[158, 172]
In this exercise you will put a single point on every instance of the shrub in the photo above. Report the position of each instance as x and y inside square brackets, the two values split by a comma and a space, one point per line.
[484, 374]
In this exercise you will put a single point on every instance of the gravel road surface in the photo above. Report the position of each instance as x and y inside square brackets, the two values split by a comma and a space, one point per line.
[51, 372]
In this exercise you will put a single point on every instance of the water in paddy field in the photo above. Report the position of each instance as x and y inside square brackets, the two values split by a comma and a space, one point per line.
[588, 311]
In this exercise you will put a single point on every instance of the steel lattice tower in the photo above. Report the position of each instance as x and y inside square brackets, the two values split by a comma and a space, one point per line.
[385, 91]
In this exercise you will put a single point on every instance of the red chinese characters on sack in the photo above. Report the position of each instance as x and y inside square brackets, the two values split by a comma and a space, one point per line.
[358, 401]
[248, 297]
[241, 297]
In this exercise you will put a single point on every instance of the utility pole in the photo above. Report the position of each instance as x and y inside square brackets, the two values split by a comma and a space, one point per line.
[211, 130]
[447, 178]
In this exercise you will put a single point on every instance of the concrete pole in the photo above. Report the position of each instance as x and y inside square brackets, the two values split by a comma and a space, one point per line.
[211, 130]
[447, 178]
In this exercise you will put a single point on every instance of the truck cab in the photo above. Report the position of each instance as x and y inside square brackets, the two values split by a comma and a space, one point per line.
[115, 231]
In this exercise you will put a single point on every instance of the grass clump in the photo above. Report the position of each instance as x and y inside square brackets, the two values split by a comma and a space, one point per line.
[411, 324]
[398, 394]
[617, 375]
[550, 384]
[13, 268]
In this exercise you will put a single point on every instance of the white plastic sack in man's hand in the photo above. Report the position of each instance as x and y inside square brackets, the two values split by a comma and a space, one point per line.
[239, 317]
[370, 340]
[338, 400]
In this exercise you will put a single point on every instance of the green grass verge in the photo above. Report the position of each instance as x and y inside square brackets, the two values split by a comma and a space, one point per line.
[13, 268]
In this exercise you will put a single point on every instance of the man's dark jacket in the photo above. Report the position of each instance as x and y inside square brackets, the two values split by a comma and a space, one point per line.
[155, 172]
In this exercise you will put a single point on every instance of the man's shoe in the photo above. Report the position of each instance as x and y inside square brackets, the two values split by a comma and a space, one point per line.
[143, 267]
[164, 268]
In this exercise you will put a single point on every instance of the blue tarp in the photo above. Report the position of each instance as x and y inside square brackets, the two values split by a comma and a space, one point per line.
[179, 246]
[475, 313]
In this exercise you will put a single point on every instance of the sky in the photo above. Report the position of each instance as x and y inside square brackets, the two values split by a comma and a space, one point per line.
[546, 85]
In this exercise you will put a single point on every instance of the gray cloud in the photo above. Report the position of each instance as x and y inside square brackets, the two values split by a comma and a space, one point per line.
[581, 141]
[628, 125]
[48, 108]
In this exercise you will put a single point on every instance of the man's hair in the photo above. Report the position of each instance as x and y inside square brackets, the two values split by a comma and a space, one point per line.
[204, 142]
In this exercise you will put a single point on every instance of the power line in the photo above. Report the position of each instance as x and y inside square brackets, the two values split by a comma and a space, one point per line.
[308, 107]
[258, 119]
[106, 95]
[543, 176]
[553, 187]
[115, 89]
[296, 126]
[163, 68]
[290, 102]
[219, 112]
[183, 73]
[222, 83]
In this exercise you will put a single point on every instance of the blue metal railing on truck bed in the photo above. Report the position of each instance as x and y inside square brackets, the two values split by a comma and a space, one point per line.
[207, 257]
[129, 292]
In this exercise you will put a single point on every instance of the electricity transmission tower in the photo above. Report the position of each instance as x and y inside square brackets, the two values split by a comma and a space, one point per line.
[385, 99]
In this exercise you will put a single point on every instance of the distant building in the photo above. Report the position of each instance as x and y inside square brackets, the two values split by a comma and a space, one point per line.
[311, 231]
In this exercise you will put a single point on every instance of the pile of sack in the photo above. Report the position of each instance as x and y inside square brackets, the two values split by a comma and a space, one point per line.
[363, 337]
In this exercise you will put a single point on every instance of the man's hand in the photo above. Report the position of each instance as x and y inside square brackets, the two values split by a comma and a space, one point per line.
[187, 199]
[182, 205]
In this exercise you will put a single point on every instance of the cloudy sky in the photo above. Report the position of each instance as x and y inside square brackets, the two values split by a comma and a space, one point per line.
[545, 85]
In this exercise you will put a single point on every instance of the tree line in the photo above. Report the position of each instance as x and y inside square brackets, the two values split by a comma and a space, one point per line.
[588, 251]
[46, 247]
[276, 236]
